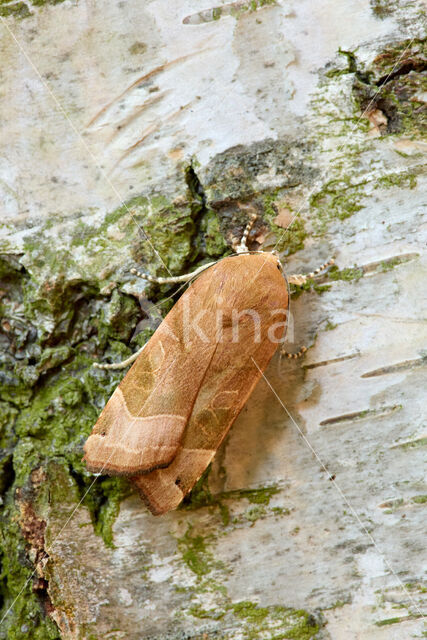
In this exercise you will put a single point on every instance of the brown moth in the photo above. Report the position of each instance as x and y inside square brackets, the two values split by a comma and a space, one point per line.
[168, 416]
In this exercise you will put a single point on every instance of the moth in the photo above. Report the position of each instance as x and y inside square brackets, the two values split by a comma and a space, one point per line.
[165, 421]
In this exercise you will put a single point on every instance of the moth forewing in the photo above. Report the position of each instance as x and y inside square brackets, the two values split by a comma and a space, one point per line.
[143, 422]
[252, 282]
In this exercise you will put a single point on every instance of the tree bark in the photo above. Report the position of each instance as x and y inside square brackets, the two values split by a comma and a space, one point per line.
[141, 134]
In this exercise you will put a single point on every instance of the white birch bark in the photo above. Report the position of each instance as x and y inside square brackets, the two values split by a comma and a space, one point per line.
[322, 511]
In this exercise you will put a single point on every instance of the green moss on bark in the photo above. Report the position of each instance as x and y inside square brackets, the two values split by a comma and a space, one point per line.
[272, 623]
[50, 398]
[21, 10]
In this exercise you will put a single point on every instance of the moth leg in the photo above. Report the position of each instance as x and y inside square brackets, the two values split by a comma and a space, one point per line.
[296, 355]
[120, 365]
[242, 246]
[171, 280]
[301, 278]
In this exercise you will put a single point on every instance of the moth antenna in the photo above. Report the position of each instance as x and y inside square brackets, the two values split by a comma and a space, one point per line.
[322, 267]
[294, 356]
[183, 278]
[242, 247]
[120, 365]
[301, 278]
[171, 280]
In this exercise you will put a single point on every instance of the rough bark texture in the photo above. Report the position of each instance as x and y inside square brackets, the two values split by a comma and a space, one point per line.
[172, 120]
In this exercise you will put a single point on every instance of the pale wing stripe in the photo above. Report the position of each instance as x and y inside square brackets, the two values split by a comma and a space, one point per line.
[140, 419]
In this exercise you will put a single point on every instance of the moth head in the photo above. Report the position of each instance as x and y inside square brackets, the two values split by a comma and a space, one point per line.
[275, 253]
[269, 256]
[274, 257]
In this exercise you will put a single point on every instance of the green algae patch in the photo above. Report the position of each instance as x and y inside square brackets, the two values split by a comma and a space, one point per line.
[390, 264]
[383, 8]
[352, 274]
[402, 180]
[172, 232]
[305, 627]
[41, 3]
[260, 496]
[212, 235]
[238, 10]
[103, 502]
[201, 495]
[195, 553]
[258, 499]
[160, 232]
[418, 442]
[387, 621]
[16, 9]
[235, 9]
[416, 586]
[55, 426]
[275, 622]
[255, 513]
[330, 326]
[309, 285]
[198, 611]
[250, 611]
[254, 621]
[22, 9]
[53, 357]
[338, 199]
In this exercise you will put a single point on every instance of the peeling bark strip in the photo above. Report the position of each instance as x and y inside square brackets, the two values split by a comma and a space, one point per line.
[170, 413]
[33, 529]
